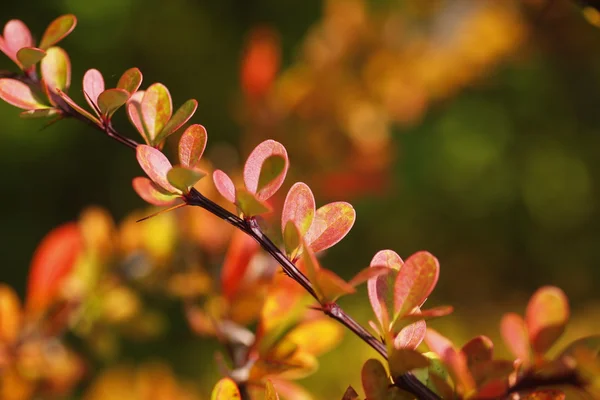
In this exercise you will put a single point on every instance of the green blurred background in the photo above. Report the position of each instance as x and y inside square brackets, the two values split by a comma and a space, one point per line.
[498, 179]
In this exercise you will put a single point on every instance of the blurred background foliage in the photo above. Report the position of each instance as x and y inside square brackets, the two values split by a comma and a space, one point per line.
[467, 128]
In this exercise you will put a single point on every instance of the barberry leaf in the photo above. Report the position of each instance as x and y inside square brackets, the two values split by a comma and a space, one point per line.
[19, 94]
[10, 315]
[58, 30]
[40, 113]
[403, 360]
[478, 350]
[303, 335]
[350, 394]
[224, 185]
[29, 56]
[375, 380]
[270, 170]
[291, 239]
[130, 80]
[16, 35]
[368, 273]
[270, 393]
[134, 112]
[237, 259]
[181, 116]
[156, 110]
[249, 204]
[93, 85]
[156, 165]
[420, 315]
[299, 207]
[410, 336]
[381, 288]
[331, 223]
[415, 282]
[151, 193]
[77, 108]
[225, 389]
[111, 100]
[254, 165]
[329, 286]
[192, 145]
[184, 178]
[514, 334]
[56, 69]
[546, 317]
[52, 262]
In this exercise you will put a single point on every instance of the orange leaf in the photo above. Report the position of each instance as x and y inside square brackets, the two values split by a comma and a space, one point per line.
[151, 193]
[415, 282]
[514, 334]
[192, 145]
[57, 30]
[157, 109]
[331, 224]
[546, 317]
[225, 389]
[374, 380]
[241, 250]
[10, 315]
[130, 80]
[299, 207]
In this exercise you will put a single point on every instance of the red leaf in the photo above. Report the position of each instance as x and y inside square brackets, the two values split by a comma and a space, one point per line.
[130, 80]
[192, 145]
[224, 185]
[93, 85]
[374, 380]
[156, 166]
[329, 286]
[56, 69]
[156, 110]
[16, 36]
[58, 30]
[514, 333]
[415, 281]
[19, 94]
[299, 207]
[181, 116]
[241, 250]
[403, 360]
[381, 288]
[151, 193]
[546, 317]
[253, 166]
[368, 273]
[332, 222]
[52, 262]
[411, 336]
[77, 108]
[477, 350]
[260, 63]
[134, 112]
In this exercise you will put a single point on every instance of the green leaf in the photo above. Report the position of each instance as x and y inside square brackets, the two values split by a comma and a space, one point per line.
[56, 69]
[225, 389]
[58, 30]
[331, 223]
[249, 205]
[111, 100]
[130, 80]
[291, 239]
[29, 56]
[156, 108]
[156, 166]
[19, 94]
[270, 170]
[192, 145]
[402, 361]
[181, 116]
[546, 316]
[253, 169]
[415, 282]
[40, 113]
[184, 178]
[375, 380]
[151, 193]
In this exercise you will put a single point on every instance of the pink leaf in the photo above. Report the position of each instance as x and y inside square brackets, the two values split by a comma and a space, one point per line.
[331, 223]
[58, 30]
[19, 94]
[415, 281]
[156, 166]
[411, 336]
[93, 85]
[367, 274]
[299, 207]
[156, 109]
[151, 193]
[77, 108]
[56, 69]
[192, 145]
[16, 36]
[224, 185]
[253, 166]
[546, 317]
[134, 112]
[130, 80]
[381, 288]
[514, 333]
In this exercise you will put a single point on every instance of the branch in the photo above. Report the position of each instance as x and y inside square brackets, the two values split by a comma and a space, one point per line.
[407, 381]
[532, 382]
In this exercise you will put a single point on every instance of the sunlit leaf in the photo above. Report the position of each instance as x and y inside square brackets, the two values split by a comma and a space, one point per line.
[16, 35]
[514, 334]
[134, 112]
[156, 165]
[331, 286]
[52, 262]
[329, 332]
[130, 80]
[421, 315]
[299, 207]
[270, 393]
[291, 239]
[10, 315]
[93, 85]
[404, 360]
[381, 288]
[270, 170]
[29, 56]
[151, 193]
[546, 317]
[58, 30]
[249, 204]
[40, 113]
[415, 281]
[350, 394]
[224, 185]
[19, 94]
[181, 116]
[368, 273]
[477, 350]
[111, 100]
[375, 380]
[77, 108]
[237, 259]
[225, 389]
[411, 336]
[56, 69]
[192, 145]
[156, 110]
[331, 223]
[253, 167]
[184, 178]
